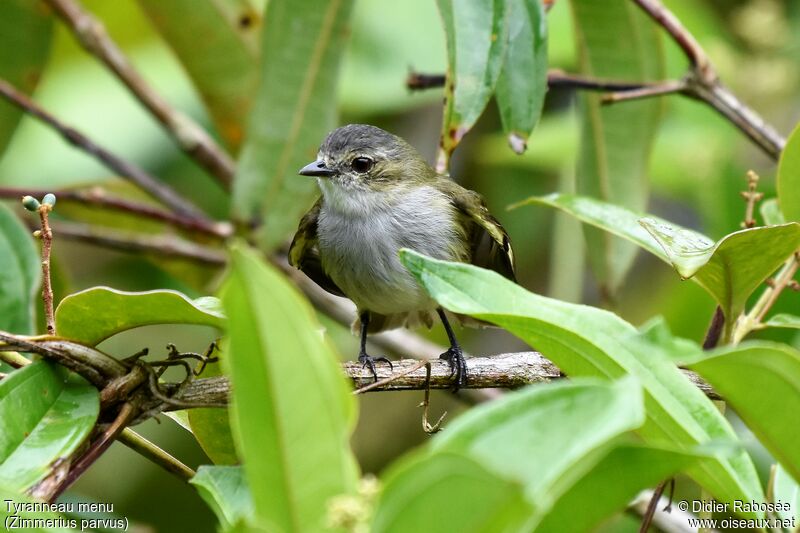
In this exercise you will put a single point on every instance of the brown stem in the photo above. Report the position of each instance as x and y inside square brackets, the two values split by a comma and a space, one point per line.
[126, 414]
[751, 197]
[97, 196]
[189, 135]
[649, 91]
[647, 518]
[46, 234]
[127, 170]
[147, 449]
[394, 377]
[714, 329]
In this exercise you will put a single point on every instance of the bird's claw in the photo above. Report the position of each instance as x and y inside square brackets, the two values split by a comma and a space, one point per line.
[458, 366]
[367, 361]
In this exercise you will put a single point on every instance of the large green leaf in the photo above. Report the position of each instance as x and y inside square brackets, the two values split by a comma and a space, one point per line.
[789, 177]
[20, 274]
[17, 508]
[223, 64]
[224, 490]
[523, 81]
[95, 314]
[730, 269]
[476, 46]
[773, 370]
[449, 493]
[211, 427]
[294, 109]
[26, 29]
[586, 341]
[44, 416]
[292, 409]
[735, 266]
[615, 40]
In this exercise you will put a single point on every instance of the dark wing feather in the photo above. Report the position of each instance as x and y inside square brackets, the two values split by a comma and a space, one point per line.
[490, 245]
[304, 251]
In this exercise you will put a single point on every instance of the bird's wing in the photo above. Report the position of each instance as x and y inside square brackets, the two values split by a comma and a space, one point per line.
[490, 245]
[304, 252]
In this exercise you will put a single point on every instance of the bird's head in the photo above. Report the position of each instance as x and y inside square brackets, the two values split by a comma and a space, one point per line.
[360, 157]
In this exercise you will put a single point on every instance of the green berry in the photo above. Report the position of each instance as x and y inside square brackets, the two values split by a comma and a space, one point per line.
[30, 203]
[49, 199]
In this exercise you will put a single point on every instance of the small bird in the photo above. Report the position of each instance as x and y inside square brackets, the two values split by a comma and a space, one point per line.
[378, 196]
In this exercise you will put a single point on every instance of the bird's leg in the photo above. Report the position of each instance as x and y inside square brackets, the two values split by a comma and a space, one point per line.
[363, 358]
[454, 356]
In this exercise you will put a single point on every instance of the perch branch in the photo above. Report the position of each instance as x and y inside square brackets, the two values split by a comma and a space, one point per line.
[46, 234]
[128, 170]
[189, 135]
[97, 196]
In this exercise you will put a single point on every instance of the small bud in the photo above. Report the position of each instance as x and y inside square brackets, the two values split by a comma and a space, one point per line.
[30, 203]
[49, 199]
[37, 234]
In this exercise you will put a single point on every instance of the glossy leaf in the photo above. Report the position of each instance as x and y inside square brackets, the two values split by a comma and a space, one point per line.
[26, 30]
[15, 504]
[774, 370]
[44, 416]
[477, 37]
[211, 427]
[786, 490]
[584, 341]
[523, 81]
[783, 320]
[771, 212]
[446, 493]
[610, 485]
[617, 41]
[223, 64]
[20, 275]
[292, 410]
[294, 110]
[789, 178]
[225, 490]
[734, 267]
[516, 439]
[95, 314]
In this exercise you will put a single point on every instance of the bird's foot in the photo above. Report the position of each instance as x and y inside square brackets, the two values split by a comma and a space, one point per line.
[458, 366]
[367, 361]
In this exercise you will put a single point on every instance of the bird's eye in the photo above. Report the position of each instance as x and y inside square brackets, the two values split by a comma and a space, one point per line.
[362, 164]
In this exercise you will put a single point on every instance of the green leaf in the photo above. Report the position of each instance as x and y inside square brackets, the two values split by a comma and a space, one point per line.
[609, 485]
[44, 417]
[476, 47]
[523, 81]
[20, 274]
[789, 177]
[783, 320]
[18, 505]
[774, 370]
[616, 40]
[735, 266]
[294, 109]
[95, 314]
[771, 212]
[584, 341]
[26, 29]
[211, 427]
[223, 65]
[224, 490]
[786, 490]
[449, 493]
[292, 410]
[516, 439]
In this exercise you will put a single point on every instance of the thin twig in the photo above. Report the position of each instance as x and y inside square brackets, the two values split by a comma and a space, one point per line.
[14, 359]
[127, 170]
[395, 376]
[751, 197]
[714, 329]
[667, 87]
[97, 196]
[647, 518]
[189, 135]
[46, 235]
[147, 449]
[426, 403]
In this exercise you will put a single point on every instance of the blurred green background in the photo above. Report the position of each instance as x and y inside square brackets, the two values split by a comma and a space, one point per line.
[697, 170]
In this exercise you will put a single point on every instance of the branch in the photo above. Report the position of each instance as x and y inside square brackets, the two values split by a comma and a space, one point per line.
[189, 135]
[127, 170]
[97, 196]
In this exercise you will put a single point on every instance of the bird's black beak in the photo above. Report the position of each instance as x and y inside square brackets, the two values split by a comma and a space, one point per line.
[317, 168]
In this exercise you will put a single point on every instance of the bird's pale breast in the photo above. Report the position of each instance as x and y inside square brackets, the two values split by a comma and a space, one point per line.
[361, 232]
